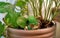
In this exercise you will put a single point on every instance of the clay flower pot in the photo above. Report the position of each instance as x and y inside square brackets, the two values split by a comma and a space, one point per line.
[40, 33]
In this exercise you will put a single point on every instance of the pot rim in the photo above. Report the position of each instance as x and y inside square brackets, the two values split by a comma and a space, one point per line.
[31, 32]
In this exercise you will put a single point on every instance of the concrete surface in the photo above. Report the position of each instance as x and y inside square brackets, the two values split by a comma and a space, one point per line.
[58, 30]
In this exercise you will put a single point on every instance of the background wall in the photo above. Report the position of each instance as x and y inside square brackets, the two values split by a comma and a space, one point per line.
[10, 1]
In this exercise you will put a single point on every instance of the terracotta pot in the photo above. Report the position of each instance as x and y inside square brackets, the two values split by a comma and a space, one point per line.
[41, 33]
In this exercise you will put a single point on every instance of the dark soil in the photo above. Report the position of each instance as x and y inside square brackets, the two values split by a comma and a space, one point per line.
[44, 23]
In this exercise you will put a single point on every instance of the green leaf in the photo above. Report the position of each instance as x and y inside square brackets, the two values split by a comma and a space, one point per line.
[1, 28]
[11, 19]
[4, 6]
[21, 21]
[7, 19]
[32, 20]
[20, 3]
[29, 27]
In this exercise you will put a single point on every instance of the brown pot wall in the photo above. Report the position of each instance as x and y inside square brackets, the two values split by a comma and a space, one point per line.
[41, 33]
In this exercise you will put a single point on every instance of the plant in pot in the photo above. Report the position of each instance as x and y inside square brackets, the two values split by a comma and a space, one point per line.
[34, 20]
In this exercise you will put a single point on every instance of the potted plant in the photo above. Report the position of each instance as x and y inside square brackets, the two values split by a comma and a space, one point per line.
[34, 20]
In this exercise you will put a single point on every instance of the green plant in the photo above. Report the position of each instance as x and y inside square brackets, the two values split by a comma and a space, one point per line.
[4, 7]
[18, 20]
[1, 29]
